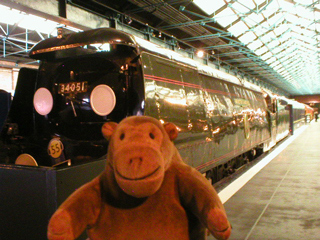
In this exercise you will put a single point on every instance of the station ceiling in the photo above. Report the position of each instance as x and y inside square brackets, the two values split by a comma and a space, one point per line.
[272, 41]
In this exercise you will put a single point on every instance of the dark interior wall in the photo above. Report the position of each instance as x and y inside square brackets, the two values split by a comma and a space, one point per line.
[307, 98]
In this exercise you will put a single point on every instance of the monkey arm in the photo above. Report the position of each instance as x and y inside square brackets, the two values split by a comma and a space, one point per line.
[199, 196]
[80, 210]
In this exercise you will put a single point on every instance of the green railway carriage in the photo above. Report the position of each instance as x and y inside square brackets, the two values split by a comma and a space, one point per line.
[88, 78]
[219, 117]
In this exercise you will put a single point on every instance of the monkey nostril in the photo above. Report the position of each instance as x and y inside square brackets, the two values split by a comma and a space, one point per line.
[122, 136]
[151, 135]
[134, 160]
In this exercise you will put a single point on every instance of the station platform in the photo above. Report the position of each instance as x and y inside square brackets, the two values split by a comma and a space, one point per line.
[282, 199]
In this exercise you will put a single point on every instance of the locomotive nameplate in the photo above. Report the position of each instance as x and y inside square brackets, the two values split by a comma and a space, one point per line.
[72, 87]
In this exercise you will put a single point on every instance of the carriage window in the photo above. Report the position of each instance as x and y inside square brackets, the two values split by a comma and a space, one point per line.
[271, 104]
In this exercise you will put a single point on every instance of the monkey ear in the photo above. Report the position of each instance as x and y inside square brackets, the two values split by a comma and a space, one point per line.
[172, 130]
[107, 129]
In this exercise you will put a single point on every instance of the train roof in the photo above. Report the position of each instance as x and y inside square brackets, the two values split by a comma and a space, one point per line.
[307, 106]
[73, 40]
[45, 48]
[294, 103]
[267, 91]
[202, 69]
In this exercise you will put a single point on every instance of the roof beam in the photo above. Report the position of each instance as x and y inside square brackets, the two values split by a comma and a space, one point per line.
[216, 35]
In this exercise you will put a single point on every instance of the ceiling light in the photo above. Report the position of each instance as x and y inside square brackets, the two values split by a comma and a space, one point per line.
[200, 53]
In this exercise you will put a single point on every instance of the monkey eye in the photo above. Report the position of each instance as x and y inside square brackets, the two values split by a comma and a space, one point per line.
[151, 135]
[122, 136]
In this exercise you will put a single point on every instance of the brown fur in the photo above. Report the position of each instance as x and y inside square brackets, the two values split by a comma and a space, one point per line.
[146, 192]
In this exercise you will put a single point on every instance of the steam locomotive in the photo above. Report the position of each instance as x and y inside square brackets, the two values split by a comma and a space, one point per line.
[87, 78]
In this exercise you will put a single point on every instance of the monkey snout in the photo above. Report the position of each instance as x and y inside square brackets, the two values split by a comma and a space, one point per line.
[137, 166]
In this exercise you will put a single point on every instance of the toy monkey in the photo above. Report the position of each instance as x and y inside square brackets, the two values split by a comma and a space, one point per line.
[145, 192]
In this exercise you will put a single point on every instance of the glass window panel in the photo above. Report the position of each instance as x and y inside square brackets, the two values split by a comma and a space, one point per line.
[271, 60]
[240, 8]
[10, 16]
[38, 23]
[280, 68]
[258, 2]
[286, 6]
[265, 25]
[261, 50]
[276, 19]
[304, 2]
[266, 56]
[295, 29]
[280, 56]
[4, 8]
[259, 30]
[304, 22]
[276, 50]
[285, 58]
[209, 7]
[226, 17]
[254, 18]
[307, 32]
[238, 28]
[262, 28]
[265, 38]
[289, 43]
[303, 12]
[250, 22]
[310, 41]
[247, 37]
[276, 65]
[292, 18]
[290, 49]
[271, 9]
[270, 36]
[284, 37]
[255, 44]
[300, 37]
[28, 21]
[248, 3]
[281, 29]
[285, 74]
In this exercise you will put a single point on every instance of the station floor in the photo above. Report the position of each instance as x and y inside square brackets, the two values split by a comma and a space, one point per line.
[282, 200]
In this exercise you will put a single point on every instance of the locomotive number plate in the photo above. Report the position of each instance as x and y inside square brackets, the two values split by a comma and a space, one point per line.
[73, 87]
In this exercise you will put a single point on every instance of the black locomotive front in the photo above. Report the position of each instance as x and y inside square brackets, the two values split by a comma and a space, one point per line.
[81, 83]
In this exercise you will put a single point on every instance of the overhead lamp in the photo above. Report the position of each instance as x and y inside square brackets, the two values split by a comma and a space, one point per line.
[200, 53]
[128, 19]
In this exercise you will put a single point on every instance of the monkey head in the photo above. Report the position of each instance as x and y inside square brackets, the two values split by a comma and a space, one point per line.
[140, 151]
